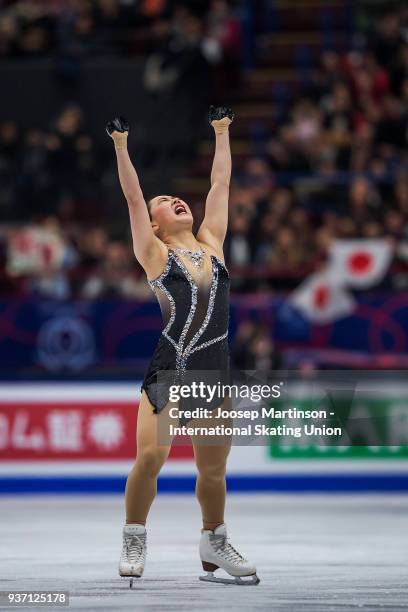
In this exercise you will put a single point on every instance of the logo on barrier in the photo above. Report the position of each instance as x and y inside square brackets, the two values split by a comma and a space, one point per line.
[65, 342]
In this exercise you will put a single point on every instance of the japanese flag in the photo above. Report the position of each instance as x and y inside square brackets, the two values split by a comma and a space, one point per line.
[321, 299]
[360, 263]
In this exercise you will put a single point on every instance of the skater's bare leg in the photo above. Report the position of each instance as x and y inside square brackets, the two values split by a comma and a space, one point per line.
[210, 488]
[141, 485]
[211, 461]
[215, 549]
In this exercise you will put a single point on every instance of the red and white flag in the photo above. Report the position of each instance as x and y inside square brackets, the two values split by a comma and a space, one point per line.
[322, 299]
[34, 249]
[361, 263]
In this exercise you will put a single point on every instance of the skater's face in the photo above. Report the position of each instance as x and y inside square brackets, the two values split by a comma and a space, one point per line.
[169, 213]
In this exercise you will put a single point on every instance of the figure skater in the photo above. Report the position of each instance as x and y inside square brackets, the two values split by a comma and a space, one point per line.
[189, 278]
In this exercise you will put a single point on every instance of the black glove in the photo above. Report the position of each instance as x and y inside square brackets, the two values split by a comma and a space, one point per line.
[219, 112]
[119, 124]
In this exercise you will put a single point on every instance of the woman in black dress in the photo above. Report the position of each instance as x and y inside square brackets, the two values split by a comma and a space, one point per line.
[189, 278]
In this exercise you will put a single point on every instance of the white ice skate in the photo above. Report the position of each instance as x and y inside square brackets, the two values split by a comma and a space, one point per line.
[133, 557]
[216, 552]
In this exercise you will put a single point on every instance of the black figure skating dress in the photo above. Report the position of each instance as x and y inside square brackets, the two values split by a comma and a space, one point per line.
[195, 315]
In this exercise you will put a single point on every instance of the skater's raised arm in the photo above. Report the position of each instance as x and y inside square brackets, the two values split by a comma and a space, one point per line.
[145, 244]
[214, 226]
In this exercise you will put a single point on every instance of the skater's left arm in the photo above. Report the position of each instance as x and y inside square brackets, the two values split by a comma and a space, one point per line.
[214, 226]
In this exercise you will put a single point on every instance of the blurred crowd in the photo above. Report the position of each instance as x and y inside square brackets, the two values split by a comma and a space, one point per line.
[71, 30]
[41, 28]
[54, 181]
[334, 166]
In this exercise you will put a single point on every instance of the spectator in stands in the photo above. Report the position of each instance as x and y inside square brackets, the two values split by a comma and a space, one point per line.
[222, 46]
[92, 246]
[387, 39]
[179, 59]
[265, 241]
[237, 246]
[114, 277]
[287, 250]
[254, 349]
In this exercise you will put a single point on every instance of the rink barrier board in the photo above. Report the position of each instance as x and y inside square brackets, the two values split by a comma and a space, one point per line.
[92, 470]
[304, 483]
[124, 333]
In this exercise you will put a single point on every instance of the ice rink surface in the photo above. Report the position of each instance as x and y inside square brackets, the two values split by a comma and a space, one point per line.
[314, 553]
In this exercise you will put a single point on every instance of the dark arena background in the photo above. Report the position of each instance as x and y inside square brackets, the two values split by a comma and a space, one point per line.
[317, 251]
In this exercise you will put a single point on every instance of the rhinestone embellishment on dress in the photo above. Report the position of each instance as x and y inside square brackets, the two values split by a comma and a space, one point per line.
[183, 351]
[197, 257]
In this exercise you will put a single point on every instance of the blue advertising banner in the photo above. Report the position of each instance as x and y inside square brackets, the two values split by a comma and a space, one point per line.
[51, 336]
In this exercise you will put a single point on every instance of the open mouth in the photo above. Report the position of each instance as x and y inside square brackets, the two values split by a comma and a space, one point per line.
[179, 209]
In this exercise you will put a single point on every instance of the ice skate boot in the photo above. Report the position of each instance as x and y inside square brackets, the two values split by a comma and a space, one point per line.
[133, 557]
[216, 552]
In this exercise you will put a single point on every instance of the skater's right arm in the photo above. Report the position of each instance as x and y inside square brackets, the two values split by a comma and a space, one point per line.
[149, 250]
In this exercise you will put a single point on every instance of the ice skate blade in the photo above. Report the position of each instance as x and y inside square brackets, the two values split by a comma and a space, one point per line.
[239, 580]
[131, 579]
